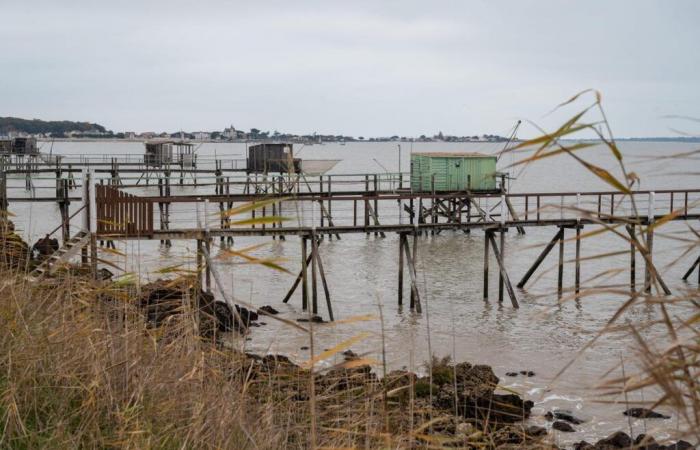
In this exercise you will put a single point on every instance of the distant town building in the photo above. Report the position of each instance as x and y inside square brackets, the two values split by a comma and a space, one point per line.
[201, 135]
[230, 133]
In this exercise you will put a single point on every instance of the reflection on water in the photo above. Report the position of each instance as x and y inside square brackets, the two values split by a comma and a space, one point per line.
[362, 274]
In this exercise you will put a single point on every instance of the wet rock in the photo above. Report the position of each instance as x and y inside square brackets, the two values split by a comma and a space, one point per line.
[644, 413]
[227, 321]
[583, 445]
[274, 362]
[314, 319]
[560, 425]
[350, 355]
[267, 309]
[304, 347]
[44, 247]
[680, 445]
[646, 442]
[618, 439]
[527, 373]
[344, 378]
[511, 374]
[536, 431]
[563, 415]
[104, 274]
[465, 429]
[475, 395]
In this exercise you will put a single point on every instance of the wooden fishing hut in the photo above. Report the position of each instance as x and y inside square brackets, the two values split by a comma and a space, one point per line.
[272, 158]
[453, 171]
[19, 146]
[160, 153]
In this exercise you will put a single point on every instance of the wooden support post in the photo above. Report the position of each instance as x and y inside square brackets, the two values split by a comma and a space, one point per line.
[504, 273]
[577, 273]
[415, 298]
[304, 276]
[207, 245]
[541, 258]
[486, 264]
[322, 273]
[690, 271]
[411, 260]
[376, 203]
[401, 239]
[199, 264]
[314, 285]
[633, 258]
[500, 275]
[4, 204]
[560, 267]
[296, 281]
[650, 243]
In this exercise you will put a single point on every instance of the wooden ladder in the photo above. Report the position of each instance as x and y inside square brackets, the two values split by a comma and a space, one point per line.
[69, 249]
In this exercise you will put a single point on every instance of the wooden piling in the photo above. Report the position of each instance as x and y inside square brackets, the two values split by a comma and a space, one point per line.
[557, 237]
[486, 264]
[401, 239]
[504, 273]
[577, 273]
[560, 266]
[304, 276]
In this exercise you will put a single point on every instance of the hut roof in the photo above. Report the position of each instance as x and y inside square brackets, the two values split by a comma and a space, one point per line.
[454, 154]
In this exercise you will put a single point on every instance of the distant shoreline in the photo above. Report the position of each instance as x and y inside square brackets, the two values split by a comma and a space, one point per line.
[689, 140]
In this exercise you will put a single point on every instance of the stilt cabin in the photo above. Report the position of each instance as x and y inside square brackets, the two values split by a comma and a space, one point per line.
[452, 171]
[272, 158]
[159, 153]
[19, 146]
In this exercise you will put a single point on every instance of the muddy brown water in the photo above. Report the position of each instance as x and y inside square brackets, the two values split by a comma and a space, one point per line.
[362, 273]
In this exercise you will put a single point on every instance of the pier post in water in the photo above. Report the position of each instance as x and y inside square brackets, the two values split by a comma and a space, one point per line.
[650, 242]
[560, 266]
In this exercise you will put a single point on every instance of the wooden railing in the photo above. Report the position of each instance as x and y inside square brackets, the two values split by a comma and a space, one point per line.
[122, 214]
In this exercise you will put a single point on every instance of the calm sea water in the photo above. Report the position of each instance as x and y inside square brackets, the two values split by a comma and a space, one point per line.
[362, 274]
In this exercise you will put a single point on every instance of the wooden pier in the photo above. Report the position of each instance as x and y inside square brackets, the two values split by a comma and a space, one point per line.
[331, 206]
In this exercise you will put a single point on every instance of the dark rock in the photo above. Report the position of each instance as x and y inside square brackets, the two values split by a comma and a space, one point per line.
[527, 373]
[563, 426]
[511, 374]
[104, 274]
[680, 445]
[44, 247]
[246, 315]
[227, 321]
[563, 415]
[536, 431]
[646, 442]
[475, 395]
[350, 355]
[583, 445]
[644, 413]
[343, 378]
[314, 319]
[268, 310]
[618, 439]
[263, 323]
[304, 347]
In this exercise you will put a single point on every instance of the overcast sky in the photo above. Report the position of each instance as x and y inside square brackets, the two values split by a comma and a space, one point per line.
[359, 68]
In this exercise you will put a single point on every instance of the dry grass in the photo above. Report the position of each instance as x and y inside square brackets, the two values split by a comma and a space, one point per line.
[81, 369]
[670, 365]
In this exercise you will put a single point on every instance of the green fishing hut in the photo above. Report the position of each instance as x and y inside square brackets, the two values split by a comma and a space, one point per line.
[453, 171]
